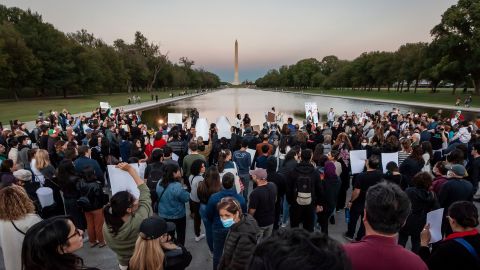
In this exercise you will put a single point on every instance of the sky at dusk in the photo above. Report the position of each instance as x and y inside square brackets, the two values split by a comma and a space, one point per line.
[270, 33]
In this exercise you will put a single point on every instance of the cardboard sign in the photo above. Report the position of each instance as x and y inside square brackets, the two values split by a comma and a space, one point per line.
[175, 118]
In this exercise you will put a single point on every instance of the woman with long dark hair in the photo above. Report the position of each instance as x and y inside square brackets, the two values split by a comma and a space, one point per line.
[51, 243]
[172, 196]
[226, 164]
[196, 176]
[343, 146]
[210, 185]
[123, 216]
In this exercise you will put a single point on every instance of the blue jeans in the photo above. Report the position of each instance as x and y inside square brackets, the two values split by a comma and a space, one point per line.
[208, 226]
[245, 178]
[219, 236]
[285, 214]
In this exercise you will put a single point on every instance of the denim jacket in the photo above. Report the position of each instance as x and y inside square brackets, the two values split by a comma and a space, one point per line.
[172, 203]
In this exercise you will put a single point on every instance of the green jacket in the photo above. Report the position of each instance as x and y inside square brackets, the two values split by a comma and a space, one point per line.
[123, 244]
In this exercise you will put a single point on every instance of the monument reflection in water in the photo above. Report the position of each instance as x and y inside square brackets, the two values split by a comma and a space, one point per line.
[256, 103]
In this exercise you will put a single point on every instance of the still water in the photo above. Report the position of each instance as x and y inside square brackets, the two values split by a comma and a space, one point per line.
[256, 103]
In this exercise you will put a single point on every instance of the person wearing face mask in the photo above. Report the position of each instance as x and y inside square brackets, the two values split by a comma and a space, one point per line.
[123, 217]
[219, 231]
[242, 236]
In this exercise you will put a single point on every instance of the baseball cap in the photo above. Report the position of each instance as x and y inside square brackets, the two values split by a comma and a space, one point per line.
[259, 173]
[23, 175]
[457, 169]
[154, 227]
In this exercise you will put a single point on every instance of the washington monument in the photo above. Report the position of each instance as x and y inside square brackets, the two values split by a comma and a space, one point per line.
[235, 80]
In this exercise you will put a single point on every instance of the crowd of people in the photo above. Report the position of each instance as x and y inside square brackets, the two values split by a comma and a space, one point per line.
[252, 192]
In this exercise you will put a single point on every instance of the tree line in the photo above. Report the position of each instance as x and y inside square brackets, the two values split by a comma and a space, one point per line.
[452, 57]
[35, 55]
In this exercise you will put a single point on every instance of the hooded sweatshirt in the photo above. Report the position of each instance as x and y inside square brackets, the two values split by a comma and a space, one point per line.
[123, 244]
[423, 201]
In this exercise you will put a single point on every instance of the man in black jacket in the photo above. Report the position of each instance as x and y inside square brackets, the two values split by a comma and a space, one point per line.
[357, 202]
[304, 192]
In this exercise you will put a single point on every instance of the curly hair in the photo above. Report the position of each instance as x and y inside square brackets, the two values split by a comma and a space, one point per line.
[14, 203]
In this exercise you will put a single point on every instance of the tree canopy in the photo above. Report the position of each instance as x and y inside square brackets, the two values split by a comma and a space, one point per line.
[452, 57]
[37, 58]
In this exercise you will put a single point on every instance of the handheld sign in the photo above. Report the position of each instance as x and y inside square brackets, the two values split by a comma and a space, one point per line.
[388, 157]
[104, 105]
[357, 159]
[175, 118]
[224, 126]
[121, 180]
[201, 128]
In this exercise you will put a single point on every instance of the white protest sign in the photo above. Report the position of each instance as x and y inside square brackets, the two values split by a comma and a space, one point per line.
[201, 128]
[121, 180]
[388, 157]
[104, 105]
[223, 126]
[434, 218]
[252, 154]
[357, 159]
[175, 118]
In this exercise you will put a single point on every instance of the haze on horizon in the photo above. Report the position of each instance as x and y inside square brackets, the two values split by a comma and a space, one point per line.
[270, 33]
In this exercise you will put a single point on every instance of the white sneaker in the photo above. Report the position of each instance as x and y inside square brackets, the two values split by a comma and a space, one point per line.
[210, 253]
[200, 237]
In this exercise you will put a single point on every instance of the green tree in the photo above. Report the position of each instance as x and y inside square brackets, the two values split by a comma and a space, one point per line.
[19, 63]
[459, 32]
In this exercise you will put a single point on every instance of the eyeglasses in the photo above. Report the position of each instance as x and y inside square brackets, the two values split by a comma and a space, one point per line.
[76, 233]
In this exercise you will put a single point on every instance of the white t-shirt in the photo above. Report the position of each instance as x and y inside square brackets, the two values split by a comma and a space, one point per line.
[194, 181]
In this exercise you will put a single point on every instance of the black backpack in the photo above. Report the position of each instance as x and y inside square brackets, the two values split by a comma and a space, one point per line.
[303, 189]
[153, 178]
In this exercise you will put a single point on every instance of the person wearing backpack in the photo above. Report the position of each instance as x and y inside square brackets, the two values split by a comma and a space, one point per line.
[153, 174]
[304, 192]
[91, 202]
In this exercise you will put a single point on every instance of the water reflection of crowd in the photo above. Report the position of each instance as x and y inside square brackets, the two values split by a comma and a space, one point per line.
[301, 175]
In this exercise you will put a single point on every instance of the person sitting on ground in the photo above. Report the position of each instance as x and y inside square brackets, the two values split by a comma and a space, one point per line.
[386, 209]
[51, 243]
[154, 249]
[299, 249]
[123, 216]
[459, 250]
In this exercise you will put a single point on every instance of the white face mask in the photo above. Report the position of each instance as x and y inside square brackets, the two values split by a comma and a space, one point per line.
[364, 144]
[29, 142]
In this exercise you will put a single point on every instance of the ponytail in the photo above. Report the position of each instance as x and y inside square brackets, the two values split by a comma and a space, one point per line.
[116, 209]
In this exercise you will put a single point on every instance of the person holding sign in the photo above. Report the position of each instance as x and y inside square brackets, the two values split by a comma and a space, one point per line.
[123, 216]
[459, 250]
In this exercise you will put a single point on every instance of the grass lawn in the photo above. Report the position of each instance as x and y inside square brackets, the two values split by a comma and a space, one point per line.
[444, 96]
[27, 110]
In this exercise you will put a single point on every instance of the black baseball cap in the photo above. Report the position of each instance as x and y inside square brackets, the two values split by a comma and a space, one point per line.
[154, 227]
